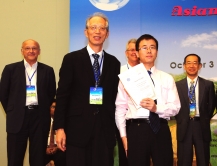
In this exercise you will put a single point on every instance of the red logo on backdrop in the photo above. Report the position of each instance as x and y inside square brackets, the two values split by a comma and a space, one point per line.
[178, 11]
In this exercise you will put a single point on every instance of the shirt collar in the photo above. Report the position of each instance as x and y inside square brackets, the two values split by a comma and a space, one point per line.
[128, 66]
[189, 80]
[153, 69]
[26, 64]
[91, 52]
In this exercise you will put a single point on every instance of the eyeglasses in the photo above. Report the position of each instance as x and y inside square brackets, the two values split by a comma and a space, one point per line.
[29, 49]
[52, 106]
[191, 63]
[146, 48]
[131, 50]
[100, 28]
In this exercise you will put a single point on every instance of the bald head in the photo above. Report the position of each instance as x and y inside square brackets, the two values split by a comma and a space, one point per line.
[31, 40]
[30, 51]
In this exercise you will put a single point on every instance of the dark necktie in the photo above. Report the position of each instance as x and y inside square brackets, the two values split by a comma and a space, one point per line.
[153, 117]
[51, 137]
[192, 98]
[96, 68]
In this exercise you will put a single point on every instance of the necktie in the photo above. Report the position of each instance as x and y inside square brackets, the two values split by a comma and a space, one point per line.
[153, 117]
[96, 68]
[192, 92]
[192, 99]
[51, 136]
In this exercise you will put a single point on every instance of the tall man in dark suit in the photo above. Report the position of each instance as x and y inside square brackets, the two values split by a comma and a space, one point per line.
[197, 98]
[27, 90]
[85, 109]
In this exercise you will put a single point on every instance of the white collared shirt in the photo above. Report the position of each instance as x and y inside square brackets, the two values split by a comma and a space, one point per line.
[30, 70]
[168, 103]
[125, 67]
[100, 60]
[196, 82]
[48, 140]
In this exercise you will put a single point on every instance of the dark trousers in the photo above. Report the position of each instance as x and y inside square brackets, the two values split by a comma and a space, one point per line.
[59, 158]
[32, 129]
[96, 153]
[193, 137]
[121, 151]
[143, 144]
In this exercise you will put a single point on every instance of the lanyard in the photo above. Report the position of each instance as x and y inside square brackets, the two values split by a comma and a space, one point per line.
[128, 66]
[190, 95]
[30, 78]
[100, 65]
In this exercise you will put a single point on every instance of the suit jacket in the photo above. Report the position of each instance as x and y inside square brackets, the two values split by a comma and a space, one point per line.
[13, 94]
[73, 112]
[206, 107]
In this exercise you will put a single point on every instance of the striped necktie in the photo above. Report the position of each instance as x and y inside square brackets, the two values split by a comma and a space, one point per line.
[96, 68]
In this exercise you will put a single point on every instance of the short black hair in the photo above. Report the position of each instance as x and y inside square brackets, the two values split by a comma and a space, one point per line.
[198, 57]
[145, 37]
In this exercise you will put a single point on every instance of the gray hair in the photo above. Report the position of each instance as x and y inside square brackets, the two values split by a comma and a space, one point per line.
[98, 14]
[130, 41]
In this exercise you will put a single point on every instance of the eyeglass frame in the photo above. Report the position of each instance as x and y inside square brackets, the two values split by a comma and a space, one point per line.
[29, 49]
[131, 50]
[146, 48]
[192, 63]
[95, 27]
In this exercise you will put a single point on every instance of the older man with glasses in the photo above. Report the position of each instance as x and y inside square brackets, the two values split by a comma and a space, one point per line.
[85, 112]
[132, 60]
[27, 91]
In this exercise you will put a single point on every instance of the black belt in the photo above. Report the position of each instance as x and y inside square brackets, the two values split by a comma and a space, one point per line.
[145, 120]
[196, 118]
[31, 107]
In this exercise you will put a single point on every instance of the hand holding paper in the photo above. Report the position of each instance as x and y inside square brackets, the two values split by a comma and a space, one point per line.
[138, 84]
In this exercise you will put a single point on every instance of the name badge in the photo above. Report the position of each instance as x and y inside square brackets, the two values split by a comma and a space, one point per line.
[96, 95]
[30, 91]
[192, 109]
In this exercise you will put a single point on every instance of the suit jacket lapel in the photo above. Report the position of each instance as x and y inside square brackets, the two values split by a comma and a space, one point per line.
[201, 90]
[22, 76]
[185, 91]
[40, 74]
[87, 64]
[106, 62]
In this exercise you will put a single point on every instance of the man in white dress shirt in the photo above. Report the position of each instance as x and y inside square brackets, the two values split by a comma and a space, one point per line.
[132, 60]
[141, 139]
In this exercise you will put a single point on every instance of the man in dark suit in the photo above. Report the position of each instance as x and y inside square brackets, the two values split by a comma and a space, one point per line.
[27, 90]
[85, 109]
[197, 98]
